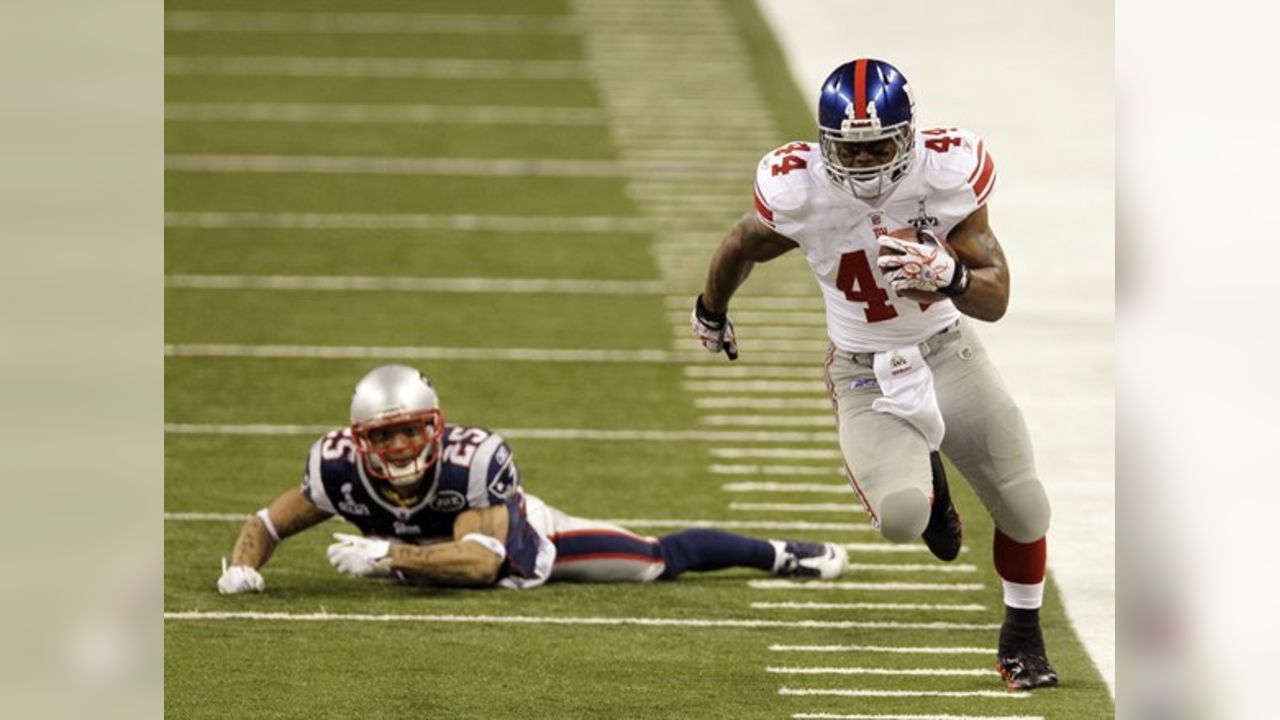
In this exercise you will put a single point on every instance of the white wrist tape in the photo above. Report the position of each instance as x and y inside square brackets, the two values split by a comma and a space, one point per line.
[265, 517]
[489, 542]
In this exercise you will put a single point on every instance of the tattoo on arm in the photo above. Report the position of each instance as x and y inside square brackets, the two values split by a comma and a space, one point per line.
[290, 513]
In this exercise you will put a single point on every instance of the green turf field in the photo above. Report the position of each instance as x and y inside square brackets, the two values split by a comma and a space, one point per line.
[630, 97]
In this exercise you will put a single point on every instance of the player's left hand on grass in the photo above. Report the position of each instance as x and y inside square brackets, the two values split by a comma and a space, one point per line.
[913, 267]
[359, 556]
[713, 330]
[239, 579]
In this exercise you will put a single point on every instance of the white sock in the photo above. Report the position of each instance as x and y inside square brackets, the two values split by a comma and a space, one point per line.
[779, 554]
[1023, 597]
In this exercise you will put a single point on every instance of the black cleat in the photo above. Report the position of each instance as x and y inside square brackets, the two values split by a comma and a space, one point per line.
[1026, 671]
[944, 533]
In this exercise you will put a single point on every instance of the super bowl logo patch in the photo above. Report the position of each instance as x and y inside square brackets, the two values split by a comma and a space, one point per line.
[448, 501]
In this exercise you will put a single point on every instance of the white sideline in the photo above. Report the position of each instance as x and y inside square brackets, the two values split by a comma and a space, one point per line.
[936, 672]
[1006, 695]
[892, 649]
[626, 522]
[408, 221]
[550, 620]
[932, 607]
[525, 433]
[522, 286]
[857, 586]
[833, 716]
[476, 167]
[365, 113]
[360, 352]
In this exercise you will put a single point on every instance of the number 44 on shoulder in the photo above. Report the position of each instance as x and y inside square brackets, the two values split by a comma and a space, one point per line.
[789, 161]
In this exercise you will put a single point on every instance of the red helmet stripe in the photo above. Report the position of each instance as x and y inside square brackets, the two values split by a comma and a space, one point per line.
[860, 89]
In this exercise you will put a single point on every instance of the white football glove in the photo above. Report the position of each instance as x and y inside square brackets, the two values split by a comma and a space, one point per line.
[715, 332]
[359, 556]
[922, 267]
[239, 579]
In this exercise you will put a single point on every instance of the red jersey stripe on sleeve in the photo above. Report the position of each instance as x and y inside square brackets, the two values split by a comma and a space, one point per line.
[985, 177]
[990, 186]
[981, 155]
[762, 209]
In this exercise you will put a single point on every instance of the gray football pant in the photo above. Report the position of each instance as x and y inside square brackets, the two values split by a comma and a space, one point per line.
[986, 438]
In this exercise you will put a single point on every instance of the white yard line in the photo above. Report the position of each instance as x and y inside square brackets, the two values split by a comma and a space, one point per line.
[776, 470]
[366, 22]
[523, 433]
[889, 649]
[553, 286]
[408, 221]
[906, 672]
[906, 693]
[944, 607]
[773, 487]
[824, 420]
[466, 167]
[793, 507]
[625, 522]
[914, 568]
[374, 67]
[860, 716]
[744, 320]
[809, 301]
[343, 352]
[545, 620]
[754, 386]
[752, 371]
[887, 547]
[815, 585]
[759, 403]
[774, 453]
[365, 113]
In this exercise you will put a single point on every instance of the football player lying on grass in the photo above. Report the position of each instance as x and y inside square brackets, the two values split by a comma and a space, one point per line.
[442, 504]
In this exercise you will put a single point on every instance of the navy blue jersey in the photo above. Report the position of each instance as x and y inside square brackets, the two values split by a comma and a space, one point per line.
[476, 470]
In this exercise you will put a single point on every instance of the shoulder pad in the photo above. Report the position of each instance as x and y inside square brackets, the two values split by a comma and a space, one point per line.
[783, 183]
[956, 159]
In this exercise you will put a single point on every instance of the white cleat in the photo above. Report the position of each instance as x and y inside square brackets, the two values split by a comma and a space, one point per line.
[824, 561]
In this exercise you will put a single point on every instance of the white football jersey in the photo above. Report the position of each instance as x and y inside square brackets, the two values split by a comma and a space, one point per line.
[951, 176]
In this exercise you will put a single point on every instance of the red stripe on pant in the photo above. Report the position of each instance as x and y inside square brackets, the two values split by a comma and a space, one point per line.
[1019, 562]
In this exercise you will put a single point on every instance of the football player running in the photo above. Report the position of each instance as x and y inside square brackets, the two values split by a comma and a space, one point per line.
[893, 221]
[443, 505]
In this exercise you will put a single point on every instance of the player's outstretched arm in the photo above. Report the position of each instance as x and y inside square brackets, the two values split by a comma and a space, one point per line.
[975, 245]
[287, 515]
[472, 559]
[750, 242]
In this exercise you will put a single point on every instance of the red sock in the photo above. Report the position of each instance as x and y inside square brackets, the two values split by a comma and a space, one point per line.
[1019, 562]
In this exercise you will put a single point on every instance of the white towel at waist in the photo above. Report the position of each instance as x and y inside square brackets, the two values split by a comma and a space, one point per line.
[906, 382]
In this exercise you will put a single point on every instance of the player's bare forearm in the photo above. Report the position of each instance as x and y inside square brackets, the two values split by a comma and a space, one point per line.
[254, 546]
[465, 564]
[461, 562]
[748, 243]
[290, 514]
[975, 244]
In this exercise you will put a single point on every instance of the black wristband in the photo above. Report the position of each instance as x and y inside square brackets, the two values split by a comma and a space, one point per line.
[710, 318]
[959, 282]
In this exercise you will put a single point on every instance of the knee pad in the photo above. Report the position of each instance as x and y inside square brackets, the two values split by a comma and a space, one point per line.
[1024, 512]
[904, 514]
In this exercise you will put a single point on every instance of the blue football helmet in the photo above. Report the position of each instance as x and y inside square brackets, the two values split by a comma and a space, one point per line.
[866, 127]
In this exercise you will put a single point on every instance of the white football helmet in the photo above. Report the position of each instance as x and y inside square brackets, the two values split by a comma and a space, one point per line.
[396, 395]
